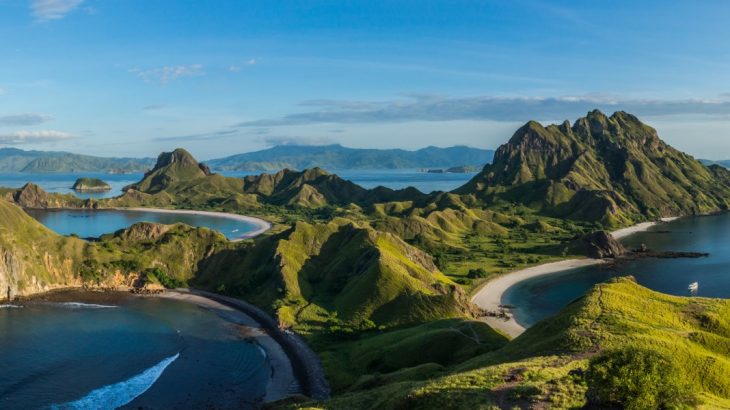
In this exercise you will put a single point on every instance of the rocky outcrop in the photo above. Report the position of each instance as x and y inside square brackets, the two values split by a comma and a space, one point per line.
[602, 245]
[143, 231]
[171, 167]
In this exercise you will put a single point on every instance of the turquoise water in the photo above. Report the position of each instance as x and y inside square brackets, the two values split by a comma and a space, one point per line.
[79, 351]
[541, 297]
[94, 223]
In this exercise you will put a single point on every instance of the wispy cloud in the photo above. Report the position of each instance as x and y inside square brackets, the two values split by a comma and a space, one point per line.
[297, 141]
[24, 119]
[45, 10]
[34, 137]
[200, 136]
[165, 74]
[153, 107]
[442, 108]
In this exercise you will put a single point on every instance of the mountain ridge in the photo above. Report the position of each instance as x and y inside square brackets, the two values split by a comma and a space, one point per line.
[335, 156]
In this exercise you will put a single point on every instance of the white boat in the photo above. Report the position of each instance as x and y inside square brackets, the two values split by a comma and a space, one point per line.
[693, 286]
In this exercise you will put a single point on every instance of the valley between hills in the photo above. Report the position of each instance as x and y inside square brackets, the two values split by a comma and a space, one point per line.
[379, 282]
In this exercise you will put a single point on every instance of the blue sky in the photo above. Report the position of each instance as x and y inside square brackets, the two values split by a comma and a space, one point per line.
[133, 78]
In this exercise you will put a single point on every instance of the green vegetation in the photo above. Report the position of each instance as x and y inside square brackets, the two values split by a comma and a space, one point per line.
[377, 280]
[90, 184]
[619, 326]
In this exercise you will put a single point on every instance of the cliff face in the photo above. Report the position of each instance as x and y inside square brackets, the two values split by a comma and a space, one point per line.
[614, 170]
[32, 258]
[33, 196]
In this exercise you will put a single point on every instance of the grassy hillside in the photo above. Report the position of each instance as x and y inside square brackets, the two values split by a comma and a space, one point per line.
[547, 367]
[333, 157]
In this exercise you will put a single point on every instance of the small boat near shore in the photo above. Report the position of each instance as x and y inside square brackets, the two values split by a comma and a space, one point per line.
[693, 286]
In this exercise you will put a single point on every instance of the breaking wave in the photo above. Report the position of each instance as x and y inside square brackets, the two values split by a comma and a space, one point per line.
[119, 394]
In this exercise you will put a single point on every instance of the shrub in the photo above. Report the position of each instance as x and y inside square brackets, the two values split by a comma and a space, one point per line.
[636, 379]
[478, 273]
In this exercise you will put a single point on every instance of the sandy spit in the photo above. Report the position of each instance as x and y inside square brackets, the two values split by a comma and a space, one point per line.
[261, 225]
[490, 296]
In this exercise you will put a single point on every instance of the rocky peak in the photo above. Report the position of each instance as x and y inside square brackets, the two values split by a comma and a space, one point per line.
[601, 244]
[180, 157]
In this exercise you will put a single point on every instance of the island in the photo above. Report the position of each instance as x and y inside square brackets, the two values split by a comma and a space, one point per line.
[91, 185]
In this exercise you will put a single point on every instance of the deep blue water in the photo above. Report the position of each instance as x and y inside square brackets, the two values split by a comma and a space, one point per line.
[94, 223]
[541, 297]
[62, 182]
[76, 350]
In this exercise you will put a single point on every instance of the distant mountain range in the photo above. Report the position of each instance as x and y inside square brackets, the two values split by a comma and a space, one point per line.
[334, 157]
[17, 160]
[723, 163]
[295, 157]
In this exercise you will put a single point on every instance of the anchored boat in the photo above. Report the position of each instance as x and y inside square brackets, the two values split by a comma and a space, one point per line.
[693, 286]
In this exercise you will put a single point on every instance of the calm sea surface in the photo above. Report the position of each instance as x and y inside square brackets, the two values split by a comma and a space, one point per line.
[94, 223]
[544, 296]
[78, 351]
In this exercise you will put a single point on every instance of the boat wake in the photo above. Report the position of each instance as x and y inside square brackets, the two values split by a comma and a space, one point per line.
[10, 306]
[119, 394]
[79, 305]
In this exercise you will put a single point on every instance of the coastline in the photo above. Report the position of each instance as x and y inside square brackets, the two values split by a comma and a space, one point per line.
[295, 368]
[490, 296]
[282, 381]
[261, 225]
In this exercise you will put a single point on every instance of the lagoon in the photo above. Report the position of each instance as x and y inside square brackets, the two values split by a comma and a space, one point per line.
[92, 223]
[541, 297]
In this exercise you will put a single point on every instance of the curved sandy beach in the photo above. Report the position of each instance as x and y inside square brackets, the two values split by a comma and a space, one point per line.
[490, 296]
[283, 382]
[261, 225]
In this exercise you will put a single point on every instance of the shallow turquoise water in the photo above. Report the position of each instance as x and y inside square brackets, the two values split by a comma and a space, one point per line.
[541, 297]
[94, 223]
[79, 350]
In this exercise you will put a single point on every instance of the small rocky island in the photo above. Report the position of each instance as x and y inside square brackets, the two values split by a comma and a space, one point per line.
[91, 185]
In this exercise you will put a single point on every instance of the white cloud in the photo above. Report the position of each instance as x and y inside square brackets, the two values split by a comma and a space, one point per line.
[251, 61]
[24, 119]
[33, 137]
[45, 10]
[234, 68]
[163, 75]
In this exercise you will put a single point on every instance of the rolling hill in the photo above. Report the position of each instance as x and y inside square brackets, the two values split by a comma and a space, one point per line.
[334, 157]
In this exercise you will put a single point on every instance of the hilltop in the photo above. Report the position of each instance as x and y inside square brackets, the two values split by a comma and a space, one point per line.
[334, 157]
[612, 328]
[16, 160]
[614, 170]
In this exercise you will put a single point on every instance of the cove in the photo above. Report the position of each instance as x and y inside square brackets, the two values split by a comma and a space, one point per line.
[94, 223]
[541, 297]
[71, 349]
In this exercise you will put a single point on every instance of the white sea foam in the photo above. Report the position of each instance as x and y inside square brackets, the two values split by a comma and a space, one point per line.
[119, 394]
[10, 306]
[79, 305]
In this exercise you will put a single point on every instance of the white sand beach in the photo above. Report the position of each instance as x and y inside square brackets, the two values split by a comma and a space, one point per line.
[489, 297]
[261, 225]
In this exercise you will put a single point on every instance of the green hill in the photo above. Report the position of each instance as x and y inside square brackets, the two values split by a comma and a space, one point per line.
[614, 170]
[333, 157]
[91, 184]
[551, 365]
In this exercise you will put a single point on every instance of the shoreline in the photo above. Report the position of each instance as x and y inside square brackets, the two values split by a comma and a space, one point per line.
[490, 296]
[260, 224]
[295, 368]
[282, 381]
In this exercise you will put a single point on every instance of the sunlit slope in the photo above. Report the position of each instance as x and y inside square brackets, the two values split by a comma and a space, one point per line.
[546, 366]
